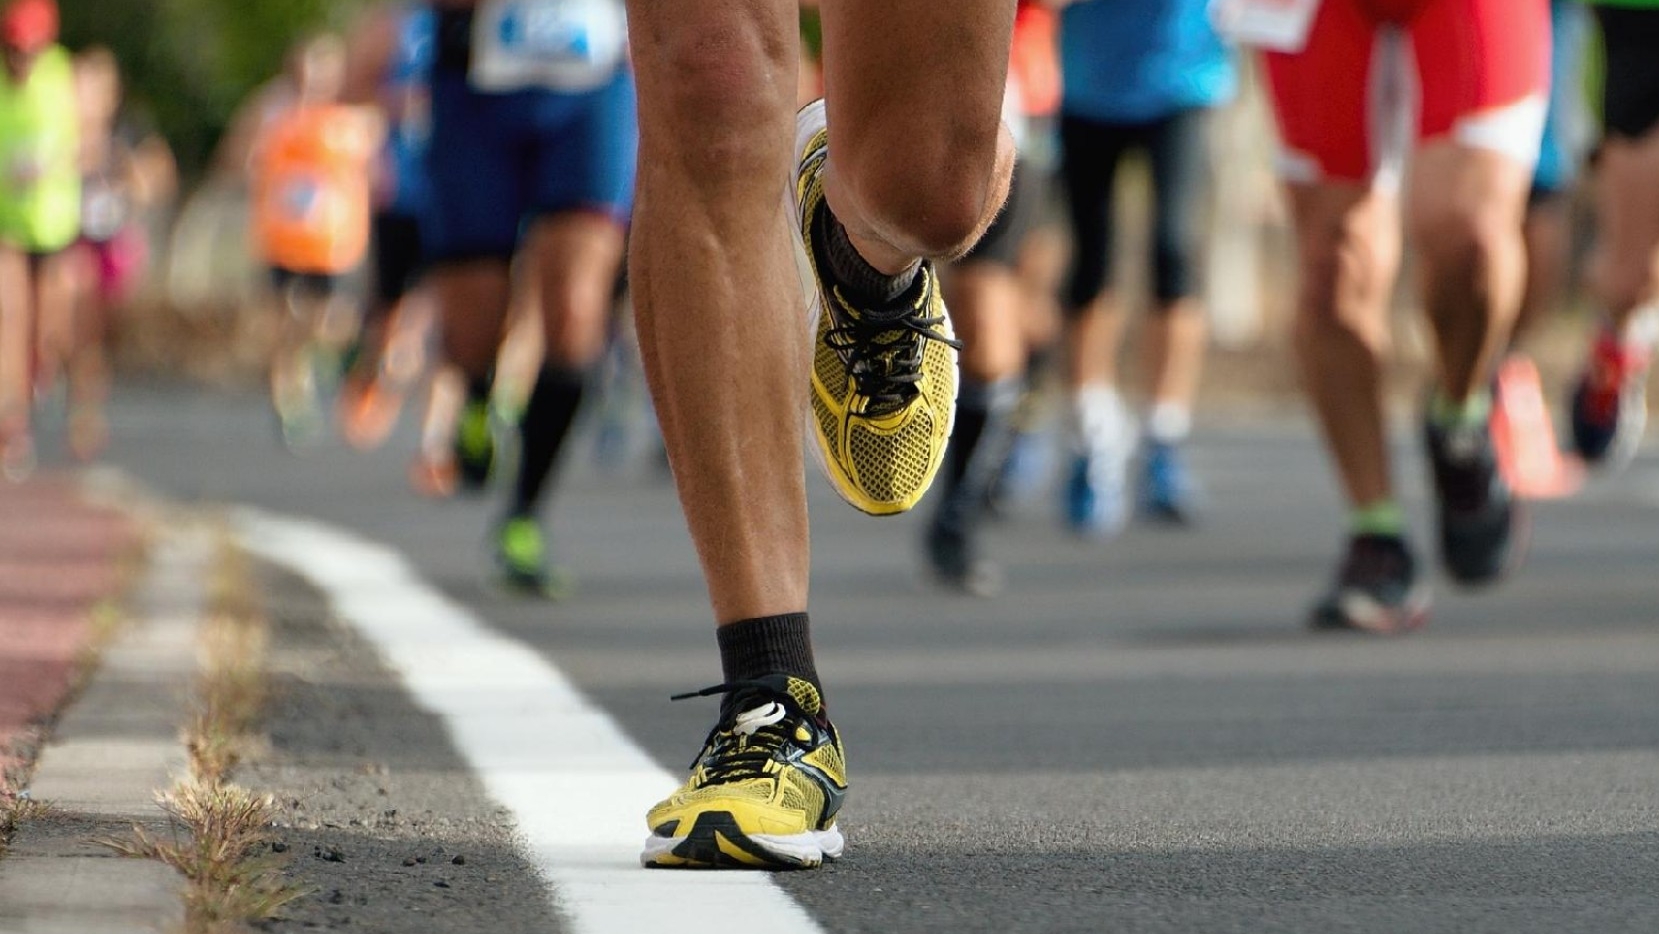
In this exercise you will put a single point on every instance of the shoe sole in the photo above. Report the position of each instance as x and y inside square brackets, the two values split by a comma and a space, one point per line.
[808, 121]
[1358, 612]
[715, 842]
[553, 587]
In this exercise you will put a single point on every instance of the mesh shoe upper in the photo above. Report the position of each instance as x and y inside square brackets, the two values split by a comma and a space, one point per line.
[773, 764]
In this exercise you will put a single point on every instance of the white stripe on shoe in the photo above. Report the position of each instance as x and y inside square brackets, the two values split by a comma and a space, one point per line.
[576, 785]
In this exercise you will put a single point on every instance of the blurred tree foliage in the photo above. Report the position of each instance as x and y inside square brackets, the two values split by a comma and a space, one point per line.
[189, 63]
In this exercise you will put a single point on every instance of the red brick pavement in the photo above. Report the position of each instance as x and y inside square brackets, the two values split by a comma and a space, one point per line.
[59, 557]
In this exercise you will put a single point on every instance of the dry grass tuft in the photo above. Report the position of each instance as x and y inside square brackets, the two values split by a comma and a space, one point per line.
[221, 848]
[17, 808]
[232, 690]
[221, 830]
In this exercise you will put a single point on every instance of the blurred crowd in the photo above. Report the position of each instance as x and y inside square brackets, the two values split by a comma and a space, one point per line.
[437, 203]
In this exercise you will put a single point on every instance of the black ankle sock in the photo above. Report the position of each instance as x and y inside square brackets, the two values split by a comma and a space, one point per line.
[751, 648]
[982, 411]
[478, 387]
[547, 418]
[863, 283]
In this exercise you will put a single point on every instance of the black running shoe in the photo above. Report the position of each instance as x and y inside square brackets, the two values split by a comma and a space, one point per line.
[953, 559]
[1376, 589]
[1478, 515]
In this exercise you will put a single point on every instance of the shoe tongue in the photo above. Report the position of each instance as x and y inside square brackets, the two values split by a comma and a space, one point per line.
[778, 688]
[806, 696]
[1463, 444]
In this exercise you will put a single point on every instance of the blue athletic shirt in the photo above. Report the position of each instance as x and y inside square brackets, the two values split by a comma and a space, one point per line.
[1134, 61]
[411, 69]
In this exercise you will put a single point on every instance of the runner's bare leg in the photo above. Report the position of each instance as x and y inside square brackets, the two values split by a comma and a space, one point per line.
[919, 165]
[1349, 247]
[717, 298]
[1465, 209]
[919, 160]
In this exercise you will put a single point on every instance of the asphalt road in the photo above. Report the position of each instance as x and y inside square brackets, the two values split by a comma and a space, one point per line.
[1139, 735]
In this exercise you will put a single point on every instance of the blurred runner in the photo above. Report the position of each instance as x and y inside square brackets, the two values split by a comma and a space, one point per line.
[531, 161]
[1340, 79]
[987, 299]
[124, 172]
[905, 158]
[40, 213]
[389, 63]
[1523, 433]
[1609, 402]
[1141, 77]
[310, 166]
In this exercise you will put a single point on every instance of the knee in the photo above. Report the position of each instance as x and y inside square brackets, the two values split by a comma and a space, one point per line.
[1625, 282]
[936, 187]
[1343, 295]
[710, 101]
[1465, 237]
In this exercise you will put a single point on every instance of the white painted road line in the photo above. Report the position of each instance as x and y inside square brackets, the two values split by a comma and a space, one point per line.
[576, 785]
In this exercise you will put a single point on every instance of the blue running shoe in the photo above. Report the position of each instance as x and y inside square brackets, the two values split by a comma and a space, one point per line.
[1095, 499]
[1168, 492]
[1023, 473]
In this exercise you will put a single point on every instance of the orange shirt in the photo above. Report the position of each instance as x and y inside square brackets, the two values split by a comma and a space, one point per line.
[1035, 63]
[311, 189]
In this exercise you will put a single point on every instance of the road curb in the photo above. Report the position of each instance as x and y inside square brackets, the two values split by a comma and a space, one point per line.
[115, 747]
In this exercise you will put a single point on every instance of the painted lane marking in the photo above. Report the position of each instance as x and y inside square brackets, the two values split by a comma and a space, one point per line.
[576, 784]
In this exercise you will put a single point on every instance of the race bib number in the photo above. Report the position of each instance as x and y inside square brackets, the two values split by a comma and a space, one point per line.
[557, 45]
[299, 200]
[1275, 25]
[103, 210]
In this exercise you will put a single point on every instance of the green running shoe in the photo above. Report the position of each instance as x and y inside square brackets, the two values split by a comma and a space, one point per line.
[475, 445]
[521, 556]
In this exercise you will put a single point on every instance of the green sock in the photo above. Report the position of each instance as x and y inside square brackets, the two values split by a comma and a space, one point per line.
[1382, 517]
[1470, 413]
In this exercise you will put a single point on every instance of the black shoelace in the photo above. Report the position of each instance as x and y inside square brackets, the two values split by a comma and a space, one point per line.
[884, 354]
[735, 754]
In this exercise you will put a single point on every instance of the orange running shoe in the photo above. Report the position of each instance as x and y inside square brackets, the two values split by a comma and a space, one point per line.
[367, 413]
[1523, 436]
[434, 476]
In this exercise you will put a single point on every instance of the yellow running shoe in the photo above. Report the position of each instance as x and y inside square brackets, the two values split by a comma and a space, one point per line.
[764, 792]
[883, 379]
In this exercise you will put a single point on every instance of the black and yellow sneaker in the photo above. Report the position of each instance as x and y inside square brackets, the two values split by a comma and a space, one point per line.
[883, 379]
[475, 445]
[765, 790]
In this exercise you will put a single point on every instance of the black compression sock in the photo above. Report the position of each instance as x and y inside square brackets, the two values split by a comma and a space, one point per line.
[982, 411]
[751, 648]
[547, 418]
[863, 283]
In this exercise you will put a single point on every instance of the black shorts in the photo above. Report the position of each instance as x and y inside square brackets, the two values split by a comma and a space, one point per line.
[316, 284]
[398, 260]
[1630, 94]
[1091, 151]
[1006, 235]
